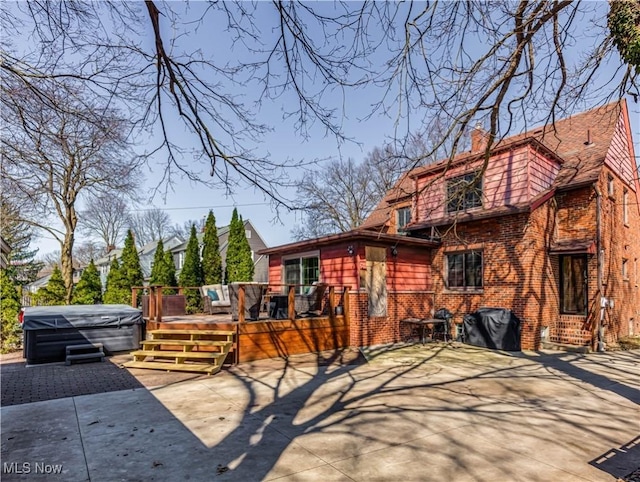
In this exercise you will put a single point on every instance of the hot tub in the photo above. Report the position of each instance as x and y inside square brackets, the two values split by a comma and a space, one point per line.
[48, 330]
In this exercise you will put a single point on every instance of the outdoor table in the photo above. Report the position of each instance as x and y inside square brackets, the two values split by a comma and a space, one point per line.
[422, 324]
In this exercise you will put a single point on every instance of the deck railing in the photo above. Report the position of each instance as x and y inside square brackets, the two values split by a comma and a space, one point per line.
[334, 302]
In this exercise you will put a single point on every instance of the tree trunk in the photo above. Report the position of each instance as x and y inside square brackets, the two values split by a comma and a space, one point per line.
[66, 260]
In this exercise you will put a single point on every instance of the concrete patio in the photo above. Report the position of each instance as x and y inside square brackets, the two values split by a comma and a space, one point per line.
[425, 413]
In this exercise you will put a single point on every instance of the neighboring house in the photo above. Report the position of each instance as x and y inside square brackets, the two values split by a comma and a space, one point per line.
[256, 243]
[178, 248]
[550, 229]
[5, 249]
[148, 252]
[103, 264]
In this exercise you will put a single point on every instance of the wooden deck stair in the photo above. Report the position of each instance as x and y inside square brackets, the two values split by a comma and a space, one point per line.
[200, 351]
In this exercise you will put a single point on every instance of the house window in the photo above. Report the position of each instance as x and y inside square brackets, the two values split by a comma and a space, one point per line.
[302, 271]
[464, 192]
[180, 260]
[625, 206]
[573, 284]
[464, 270]
[610, 186]
[404, 217]
[625, 269]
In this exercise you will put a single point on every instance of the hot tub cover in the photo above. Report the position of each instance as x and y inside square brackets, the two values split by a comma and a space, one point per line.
[79, 316]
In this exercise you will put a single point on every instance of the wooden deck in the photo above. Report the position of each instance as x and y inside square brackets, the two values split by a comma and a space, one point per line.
[267, 338]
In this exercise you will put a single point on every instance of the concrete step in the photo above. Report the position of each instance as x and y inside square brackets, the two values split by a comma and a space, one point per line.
[549, 345]
[179, 367]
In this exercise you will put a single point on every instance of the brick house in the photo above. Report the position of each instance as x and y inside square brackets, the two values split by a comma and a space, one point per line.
[547, 225]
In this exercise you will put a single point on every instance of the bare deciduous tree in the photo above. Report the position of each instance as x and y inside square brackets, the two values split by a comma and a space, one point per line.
[507, 65]
[105, 216]
[339, 196]
[149, 225]
[446, 63]
[57, 151]
[183, 230]
[86, 251]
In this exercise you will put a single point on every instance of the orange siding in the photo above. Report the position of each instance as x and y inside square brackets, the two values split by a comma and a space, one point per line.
[410, 270]
[338, 267]
[275, 269]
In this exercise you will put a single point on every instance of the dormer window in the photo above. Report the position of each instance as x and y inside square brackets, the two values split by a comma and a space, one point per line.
[403, 217]
[464, 192]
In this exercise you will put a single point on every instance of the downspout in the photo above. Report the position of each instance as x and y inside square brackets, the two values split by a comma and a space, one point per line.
[600, 332]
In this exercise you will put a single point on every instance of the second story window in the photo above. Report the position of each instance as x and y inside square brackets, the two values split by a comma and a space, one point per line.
[625, 207]
[404, 217]
[464, 192]
[610, 186]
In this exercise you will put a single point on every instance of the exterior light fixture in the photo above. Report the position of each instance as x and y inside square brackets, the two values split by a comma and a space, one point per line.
[350, 250]
[394, 251]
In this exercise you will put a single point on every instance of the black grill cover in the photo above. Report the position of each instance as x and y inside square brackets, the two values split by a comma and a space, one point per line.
[496, 328]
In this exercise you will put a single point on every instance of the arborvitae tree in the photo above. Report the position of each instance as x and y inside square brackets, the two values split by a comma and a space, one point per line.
[117, 291]
[171, 270]
[54, 293]
[239, 266]
[19, 235]
[157, 270]
[88, 291]
[131, 269]
[163, 272]
[211, 260]
[191, 274]
[9, 310]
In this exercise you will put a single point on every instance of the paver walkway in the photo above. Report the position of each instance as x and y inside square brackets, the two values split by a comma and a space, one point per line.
[440, 412]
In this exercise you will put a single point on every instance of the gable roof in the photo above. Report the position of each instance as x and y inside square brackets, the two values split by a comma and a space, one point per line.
[579, 143]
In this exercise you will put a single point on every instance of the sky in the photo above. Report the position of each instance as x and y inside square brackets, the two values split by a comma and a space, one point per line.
[189, 201]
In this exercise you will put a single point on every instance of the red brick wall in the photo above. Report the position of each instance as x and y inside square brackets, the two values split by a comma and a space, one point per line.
[366, 331]
[620, 241]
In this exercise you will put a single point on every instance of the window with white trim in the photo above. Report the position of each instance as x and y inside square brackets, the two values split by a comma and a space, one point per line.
[610, 186]
[301, 270]
[403, 217]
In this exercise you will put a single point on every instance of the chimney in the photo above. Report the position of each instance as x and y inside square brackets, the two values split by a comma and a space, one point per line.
[479, 138]
[110, 248]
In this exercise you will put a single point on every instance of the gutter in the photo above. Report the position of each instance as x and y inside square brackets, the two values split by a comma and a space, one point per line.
[600, 344]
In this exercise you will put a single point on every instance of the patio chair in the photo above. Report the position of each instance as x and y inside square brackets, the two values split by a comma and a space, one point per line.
[311, 302]
[442, 330]
[216, 298]
[253, 293]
